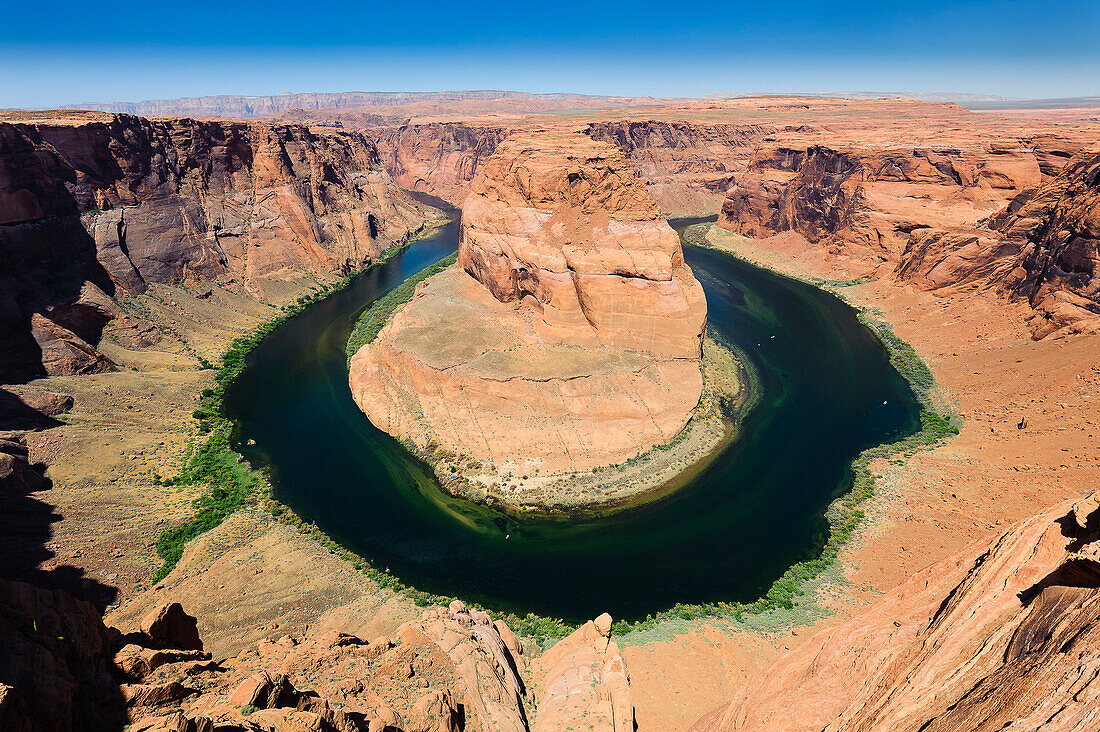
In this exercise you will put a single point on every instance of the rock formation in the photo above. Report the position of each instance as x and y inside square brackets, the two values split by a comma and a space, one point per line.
[867, 201]
[441, 158]
[687, 166]
[55, 669]
[1045, 246]
[91, 205]
[457, 669]
[1007, 214]
[561, 220]
[585, 683]
[1005, 635]
[570, 335]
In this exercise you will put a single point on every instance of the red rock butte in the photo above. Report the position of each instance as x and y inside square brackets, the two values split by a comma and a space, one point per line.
[568, 337]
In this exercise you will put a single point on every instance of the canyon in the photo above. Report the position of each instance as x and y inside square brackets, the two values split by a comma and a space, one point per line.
[134, 249]
[96, 204]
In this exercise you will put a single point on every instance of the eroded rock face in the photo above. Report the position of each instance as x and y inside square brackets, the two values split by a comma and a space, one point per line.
[865, 201]
[569, 336]
[995, 636]
[687, 166]
[1042, 246]
[111, 203]
[1012, 215]
[563, 220]
[438, 157]
[454, 669]
[584, 683]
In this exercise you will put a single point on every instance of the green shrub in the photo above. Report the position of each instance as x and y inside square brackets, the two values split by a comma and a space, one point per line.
[377, 315]
[230, 481]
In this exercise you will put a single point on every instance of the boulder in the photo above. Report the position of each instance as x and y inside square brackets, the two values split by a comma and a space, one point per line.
[168, 626]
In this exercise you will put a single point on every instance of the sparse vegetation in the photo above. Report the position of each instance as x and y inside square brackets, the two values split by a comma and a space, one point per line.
[229, 481]
[377, 315]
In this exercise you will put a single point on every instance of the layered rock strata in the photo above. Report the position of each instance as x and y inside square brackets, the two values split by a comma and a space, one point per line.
[441, 158]
[94, 205]
[1003, 635]
[1018, 216]
[568, 337]
[1044, 246]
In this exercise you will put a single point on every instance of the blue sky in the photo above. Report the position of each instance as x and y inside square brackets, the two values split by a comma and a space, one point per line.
[61, 51]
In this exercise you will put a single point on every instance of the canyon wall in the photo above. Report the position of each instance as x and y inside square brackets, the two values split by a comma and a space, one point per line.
[1043, 246]
[865, 201]
[568, 337]
[1016, 215]
[999, 635]
[687, 166]
[440, 158]
[91, 205]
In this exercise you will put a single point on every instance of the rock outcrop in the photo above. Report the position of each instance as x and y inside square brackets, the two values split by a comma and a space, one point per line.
[866, 202]
[687, 166]
[1045, 246]
[584, 683]
[563, 221]
[55, 669]
[94, 205]
[1005, 635]
[568, 337]
[440, 158]
[1011, 214]
[455, 669]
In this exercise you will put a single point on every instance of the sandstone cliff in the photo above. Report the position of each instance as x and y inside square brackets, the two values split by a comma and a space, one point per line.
[687, 166]
[561, 220]
[866, 201]
[94, 204]
[440, 158]
[569, 337]
[997, 636]
[1045, 246]
[1011, 215]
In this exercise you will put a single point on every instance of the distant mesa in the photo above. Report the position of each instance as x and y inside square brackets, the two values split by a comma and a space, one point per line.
[243, 107]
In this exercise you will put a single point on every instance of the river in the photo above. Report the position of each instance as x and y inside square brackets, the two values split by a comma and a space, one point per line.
[825, 391]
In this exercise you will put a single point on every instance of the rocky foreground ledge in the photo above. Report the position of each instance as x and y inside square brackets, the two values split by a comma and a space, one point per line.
[568, 338]
[1001, 635]
[454, 669]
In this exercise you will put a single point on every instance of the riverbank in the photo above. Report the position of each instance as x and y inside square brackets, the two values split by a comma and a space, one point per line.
[927, 504]
[451, 325]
